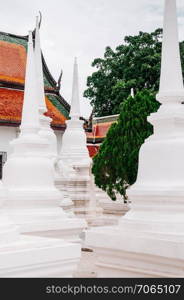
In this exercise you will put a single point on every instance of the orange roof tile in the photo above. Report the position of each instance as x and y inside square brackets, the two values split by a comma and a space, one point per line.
[93, 150]
[12, 62]
[11, 102]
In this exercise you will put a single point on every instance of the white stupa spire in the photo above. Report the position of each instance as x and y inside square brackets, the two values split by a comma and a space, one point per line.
[39, 69]
[75, 103]
[45, 128]
[171, 81]
[30, 116]
[132, 93]
[74, 138]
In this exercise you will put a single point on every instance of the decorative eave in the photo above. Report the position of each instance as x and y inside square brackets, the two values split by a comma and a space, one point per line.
[95, 141]
[9, 123]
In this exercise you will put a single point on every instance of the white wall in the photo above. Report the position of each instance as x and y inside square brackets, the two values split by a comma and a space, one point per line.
[7, 134]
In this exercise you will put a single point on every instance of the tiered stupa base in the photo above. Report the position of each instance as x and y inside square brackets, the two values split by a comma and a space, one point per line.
[66, 204]
[39, 257]
[112, 210]
[148, 242]
[52, 223]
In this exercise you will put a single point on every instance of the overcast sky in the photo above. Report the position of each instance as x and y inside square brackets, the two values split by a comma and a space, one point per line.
[82, 28]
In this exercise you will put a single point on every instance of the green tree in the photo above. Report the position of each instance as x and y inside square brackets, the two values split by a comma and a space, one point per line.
[116, 164]
[134, 64]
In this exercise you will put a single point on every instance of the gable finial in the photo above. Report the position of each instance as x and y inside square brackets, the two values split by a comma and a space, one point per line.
[59, 80]
[40, 21]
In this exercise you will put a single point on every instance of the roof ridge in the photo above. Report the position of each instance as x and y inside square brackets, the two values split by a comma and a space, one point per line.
[24, 37]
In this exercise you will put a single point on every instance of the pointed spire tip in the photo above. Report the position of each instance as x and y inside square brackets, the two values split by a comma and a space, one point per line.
[37, 20]
[30, 36]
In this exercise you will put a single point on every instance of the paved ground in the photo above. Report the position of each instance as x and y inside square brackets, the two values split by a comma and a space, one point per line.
[86, 268]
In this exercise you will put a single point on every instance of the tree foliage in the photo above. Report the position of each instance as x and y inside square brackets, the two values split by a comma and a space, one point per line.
[115, 166]
[134, 64]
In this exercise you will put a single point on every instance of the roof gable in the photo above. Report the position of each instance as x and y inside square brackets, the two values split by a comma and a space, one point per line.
[13, 53]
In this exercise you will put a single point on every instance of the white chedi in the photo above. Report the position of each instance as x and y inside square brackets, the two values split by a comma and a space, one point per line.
[73, 150]
[28, 173]
[149, 239]
[33, 200]
[22, 255]
[25, 256]
[74, 156]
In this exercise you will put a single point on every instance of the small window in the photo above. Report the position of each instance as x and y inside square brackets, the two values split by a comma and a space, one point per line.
[3, 158]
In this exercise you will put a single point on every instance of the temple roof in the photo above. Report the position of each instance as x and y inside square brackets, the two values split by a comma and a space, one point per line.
[92, 149]
[13, 52]
[100, 127]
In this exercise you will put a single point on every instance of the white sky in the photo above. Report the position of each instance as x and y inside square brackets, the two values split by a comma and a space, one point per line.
[82, 28]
